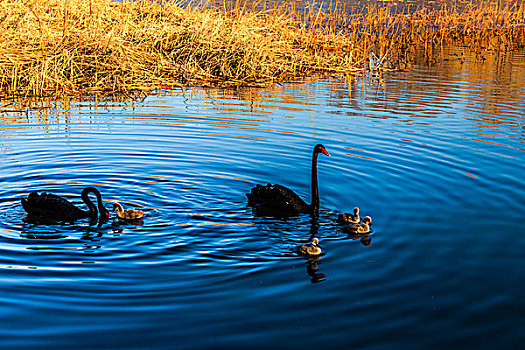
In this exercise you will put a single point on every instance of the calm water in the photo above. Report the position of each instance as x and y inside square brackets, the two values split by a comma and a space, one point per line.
[435, 155]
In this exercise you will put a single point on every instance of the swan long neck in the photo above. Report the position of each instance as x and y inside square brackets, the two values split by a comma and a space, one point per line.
[104, 214]
[93, 212]
[315, 190]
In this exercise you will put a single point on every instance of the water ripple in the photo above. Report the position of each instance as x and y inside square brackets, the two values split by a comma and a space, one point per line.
[434, 155]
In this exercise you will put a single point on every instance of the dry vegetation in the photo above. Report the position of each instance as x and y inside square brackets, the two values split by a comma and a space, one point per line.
[74, 47]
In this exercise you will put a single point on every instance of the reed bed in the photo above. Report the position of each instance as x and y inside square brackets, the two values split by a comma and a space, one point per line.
[87, 47]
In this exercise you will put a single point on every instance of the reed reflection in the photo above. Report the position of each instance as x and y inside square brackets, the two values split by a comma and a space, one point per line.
[492, 86]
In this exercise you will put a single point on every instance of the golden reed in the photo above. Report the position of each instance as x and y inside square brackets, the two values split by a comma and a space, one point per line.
[77, 47]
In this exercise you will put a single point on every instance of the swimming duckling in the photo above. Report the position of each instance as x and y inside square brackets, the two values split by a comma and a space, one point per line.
[310, 249]
[128, 214]
[364, 227]
[347, 218]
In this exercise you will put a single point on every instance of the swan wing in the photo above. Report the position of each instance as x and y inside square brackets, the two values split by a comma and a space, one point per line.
[51, 206]
[277, 198]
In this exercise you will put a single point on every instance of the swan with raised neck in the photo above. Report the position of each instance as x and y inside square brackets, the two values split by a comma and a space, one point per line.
[280, 200]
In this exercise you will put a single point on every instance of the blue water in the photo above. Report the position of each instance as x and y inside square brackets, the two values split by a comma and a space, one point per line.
[436, 156]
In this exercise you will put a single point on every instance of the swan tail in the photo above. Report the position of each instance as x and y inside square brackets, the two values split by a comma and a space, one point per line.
[276, 198]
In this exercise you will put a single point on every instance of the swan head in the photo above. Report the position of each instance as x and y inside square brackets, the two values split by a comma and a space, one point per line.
[367, 220]
[315, 242]
[104, 213]
[356, 211]
[321, 149]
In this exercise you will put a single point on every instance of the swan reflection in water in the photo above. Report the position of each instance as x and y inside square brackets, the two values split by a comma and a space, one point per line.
[36, 221]
[365, 239]
[312, 252]
[312, 265]
[118, 225]
[62, 233]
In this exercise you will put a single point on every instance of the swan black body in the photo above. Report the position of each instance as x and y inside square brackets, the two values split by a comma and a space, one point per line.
[278, 200]
[52, 207]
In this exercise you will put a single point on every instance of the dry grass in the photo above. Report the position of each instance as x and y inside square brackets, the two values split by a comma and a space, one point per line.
[74, 47]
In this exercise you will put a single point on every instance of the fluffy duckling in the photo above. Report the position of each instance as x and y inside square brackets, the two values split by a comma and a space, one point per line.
[311, 249]
[347, 218]
[364, 227]
[128, 214]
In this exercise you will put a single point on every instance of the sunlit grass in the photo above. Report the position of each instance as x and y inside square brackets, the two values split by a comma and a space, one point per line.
[75, 47]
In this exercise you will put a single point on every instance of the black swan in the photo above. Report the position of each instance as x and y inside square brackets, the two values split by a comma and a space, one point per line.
[311, 249]
[359, 228]
[53, 207]
[347, 218]
[129, 214]
[278, 199]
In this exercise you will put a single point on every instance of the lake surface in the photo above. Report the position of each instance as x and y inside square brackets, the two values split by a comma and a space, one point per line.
[436, 156]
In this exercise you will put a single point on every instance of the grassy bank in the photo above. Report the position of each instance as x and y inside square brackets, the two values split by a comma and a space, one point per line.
[50, 47]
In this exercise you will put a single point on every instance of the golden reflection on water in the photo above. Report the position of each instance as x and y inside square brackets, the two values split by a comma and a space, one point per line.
[230, 177]
[496, 144]
[357, 155]
[362, 157]
[498, 78]
[485, 85]
[18, 267]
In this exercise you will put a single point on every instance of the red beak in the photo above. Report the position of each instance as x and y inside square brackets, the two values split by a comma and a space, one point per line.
[325, 152]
